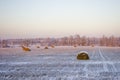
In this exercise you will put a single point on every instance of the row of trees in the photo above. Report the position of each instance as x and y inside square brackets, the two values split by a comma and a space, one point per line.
[85, 41]
[65, 41]
[109, 41]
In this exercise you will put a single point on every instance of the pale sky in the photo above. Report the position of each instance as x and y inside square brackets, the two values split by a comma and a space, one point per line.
[58, 18]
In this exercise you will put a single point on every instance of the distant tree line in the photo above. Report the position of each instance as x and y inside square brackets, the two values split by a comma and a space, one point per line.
[75, 40]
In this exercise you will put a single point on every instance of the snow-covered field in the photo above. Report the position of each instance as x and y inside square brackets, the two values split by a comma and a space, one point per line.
[60, 63]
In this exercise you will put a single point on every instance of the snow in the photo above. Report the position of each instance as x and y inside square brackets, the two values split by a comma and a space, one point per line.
[60, 63]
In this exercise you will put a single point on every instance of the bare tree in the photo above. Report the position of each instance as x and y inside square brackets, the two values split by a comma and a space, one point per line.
[77, 40]
[4, 43]
[83, 41]
[26, 43]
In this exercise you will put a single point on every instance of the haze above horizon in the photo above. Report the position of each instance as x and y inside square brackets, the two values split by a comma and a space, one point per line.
[58, 18]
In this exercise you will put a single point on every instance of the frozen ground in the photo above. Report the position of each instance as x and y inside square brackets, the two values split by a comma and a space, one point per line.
[60, 63]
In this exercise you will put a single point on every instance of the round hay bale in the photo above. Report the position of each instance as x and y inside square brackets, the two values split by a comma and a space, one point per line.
[52, 46]
[38, 47]
[75, 46]
[26, 48]
[92, 45]
[83, 56]
[46, 47]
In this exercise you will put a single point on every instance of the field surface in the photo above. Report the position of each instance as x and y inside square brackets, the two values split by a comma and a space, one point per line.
[60, 63]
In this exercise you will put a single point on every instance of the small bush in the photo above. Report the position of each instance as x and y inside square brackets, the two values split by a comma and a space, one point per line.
[83, 56]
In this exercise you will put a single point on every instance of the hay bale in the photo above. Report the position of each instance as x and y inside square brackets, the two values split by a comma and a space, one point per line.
[26, 48]
[92, 45]
[46, 47]
[52, 46]
[38, 46]
[75, 46]
[83, 56]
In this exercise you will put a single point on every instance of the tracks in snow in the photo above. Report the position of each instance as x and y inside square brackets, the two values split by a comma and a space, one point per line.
[108, 65]
[63, 66]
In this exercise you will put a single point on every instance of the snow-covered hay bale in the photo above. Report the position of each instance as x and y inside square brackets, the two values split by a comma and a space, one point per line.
[83, 55]
[46, 47]
[26, 48]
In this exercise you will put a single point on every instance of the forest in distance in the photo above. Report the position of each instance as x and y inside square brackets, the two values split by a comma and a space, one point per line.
[75, 40]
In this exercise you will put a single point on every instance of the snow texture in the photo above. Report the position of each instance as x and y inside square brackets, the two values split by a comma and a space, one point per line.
[60, 63]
